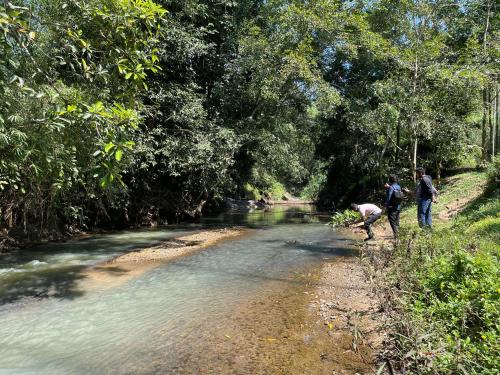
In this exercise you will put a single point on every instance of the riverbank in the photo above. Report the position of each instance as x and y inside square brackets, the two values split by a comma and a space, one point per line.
[440, 288]
[349, 308]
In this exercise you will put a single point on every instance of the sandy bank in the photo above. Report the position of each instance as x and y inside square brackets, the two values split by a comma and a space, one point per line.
[349, 308]
[135, 263]
[180, 246]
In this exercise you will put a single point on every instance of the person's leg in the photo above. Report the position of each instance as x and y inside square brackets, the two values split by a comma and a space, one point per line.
[368, 224]
[425, 212]
[392, 216]
[396, 222]
[420, 213]
[428, 214]
[368, 228]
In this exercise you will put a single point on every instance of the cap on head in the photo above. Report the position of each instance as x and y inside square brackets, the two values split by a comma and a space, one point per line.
[420, 170]
[393, 178]
[354, 206]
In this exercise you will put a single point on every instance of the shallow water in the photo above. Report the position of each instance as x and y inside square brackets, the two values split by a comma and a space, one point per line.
[165, 320]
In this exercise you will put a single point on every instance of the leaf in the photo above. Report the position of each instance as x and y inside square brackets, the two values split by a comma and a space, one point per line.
[381, 369]
[118, 155]
[108, 147]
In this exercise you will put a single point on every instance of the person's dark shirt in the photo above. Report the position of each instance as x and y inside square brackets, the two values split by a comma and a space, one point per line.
[389, 196]
[426, 187]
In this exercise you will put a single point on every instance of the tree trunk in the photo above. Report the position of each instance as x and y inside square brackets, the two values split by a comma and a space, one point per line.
[438, 172]
[497, 125]
[484, 144]
[493, 125]
[414, 157]
[398, 141]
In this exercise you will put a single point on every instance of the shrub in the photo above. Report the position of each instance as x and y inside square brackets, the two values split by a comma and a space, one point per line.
[277, 191]
[251, 192]
[489, 227]
[450, 302]
[344, 218]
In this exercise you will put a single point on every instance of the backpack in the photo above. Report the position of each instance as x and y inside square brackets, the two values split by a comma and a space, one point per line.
[397, 197]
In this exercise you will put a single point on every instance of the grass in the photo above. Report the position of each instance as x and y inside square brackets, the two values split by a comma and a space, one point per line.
[444, 285]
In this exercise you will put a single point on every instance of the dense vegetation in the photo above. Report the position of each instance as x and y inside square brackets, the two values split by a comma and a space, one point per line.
[128, 112]
[444, 286]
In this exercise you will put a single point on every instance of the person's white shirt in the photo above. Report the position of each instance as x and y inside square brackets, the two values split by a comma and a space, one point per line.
[367, 209]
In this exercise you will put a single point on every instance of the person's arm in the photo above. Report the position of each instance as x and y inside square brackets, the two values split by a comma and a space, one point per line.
[408, 191]
[388, 198]
[434, 194]
[426, 183]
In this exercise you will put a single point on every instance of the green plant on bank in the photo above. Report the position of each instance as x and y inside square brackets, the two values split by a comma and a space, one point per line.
[344, 218]
[447, 285]
[314, 186]
[251, 192]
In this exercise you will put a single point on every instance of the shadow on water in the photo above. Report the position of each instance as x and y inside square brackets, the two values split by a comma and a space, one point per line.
[59, 283]
[54, 270]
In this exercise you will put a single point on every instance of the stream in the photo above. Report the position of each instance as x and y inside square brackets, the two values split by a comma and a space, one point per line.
[213, 311]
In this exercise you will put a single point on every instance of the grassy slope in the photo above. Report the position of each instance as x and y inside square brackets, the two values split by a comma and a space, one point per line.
[446, 284]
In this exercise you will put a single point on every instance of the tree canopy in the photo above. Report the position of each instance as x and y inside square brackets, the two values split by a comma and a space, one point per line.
[128, 112]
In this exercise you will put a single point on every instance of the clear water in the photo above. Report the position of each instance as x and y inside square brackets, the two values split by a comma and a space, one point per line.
[53, 269]
[164, 320]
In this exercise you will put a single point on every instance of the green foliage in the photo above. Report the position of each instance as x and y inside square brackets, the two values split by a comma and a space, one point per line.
[488, 228]
[67, 113]
[315, 185]
[448, 287]
[251, 192]
[344, 218]
[453, 289]
[122, 105]
[494, 173]
[277, 191]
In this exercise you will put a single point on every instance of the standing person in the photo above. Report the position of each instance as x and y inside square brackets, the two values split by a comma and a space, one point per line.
[393, 203]
[370, 214]
[426, 194]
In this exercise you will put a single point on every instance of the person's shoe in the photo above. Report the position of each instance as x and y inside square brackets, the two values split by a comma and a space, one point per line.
[368, 238]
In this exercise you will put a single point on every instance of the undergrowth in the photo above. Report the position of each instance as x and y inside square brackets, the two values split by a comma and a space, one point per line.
[444, 291]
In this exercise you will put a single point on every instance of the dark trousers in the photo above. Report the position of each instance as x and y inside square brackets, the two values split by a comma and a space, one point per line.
[393, 216]
[368, 223]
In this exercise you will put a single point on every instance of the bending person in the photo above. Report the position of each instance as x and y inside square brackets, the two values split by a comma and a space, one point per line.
[370, 214]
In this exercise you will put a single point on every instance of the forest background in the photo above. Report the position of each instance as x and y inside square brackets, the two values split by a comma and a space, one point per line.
[136, 112]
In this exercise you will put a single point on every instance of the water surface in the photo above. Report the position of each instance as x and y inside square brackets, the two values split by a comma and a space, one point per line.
[169, 320]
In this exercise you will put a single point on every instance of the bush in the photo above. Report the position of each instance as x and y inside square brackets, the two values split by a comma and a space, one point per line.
[450, 302]
[277, 191]
[344, 218]
[494, 171]
[489, 227]
[314, 186]
[251, 192]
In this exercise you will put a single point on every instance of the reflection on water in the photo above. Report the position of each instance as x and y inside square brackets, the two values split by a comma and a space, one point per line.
[165, 320]
[278, 214]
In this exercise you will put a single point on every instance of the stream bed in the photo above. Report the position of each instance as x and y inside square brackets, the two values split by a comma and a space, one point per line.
[214, 311]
